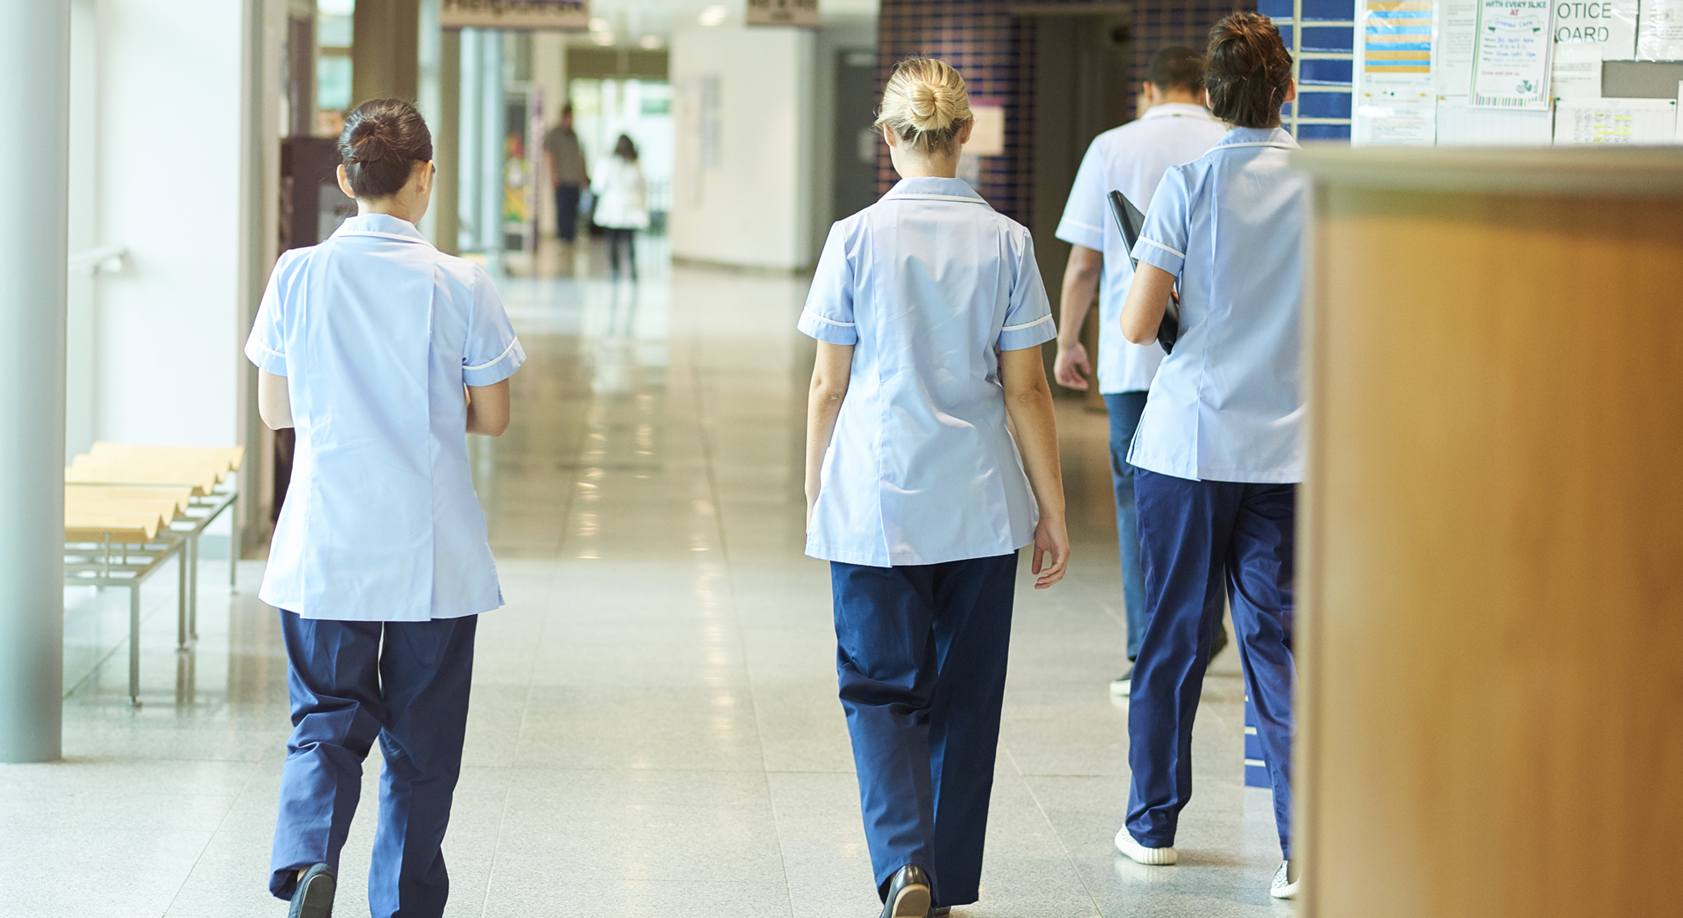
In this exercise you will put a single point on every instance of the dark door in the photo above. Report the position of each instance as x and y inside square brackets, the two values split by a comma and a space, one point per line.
[855, 141]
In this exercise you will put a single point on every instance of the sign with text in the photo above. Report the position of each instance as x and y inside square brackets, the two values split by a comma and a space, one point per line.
[516, 15]
[783, 13]
[1607, 24]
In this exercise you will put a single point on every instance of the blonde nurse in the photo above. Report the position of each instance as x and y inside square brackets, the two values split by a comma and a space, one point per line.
[929, 314]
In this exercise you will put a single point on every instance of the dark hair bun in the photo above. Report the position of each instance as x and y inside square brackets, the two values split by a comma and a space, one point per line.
[382, 141]
[1247, 71]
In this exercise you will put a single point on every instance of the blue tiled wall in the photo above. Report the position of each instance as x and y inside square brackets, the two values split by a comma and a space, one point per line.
[1321, 36]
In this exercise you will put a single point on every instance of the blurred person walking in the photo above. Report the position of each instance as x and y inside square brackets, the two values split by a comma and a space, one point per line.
[929, 314]
[568, 174]
[383, 354]
[1219, 449]
[1174, 127]
[622, 204]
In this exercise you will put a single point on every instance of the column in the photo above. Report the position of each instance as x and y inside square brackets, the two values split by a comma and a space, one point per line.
[385, 50]
[490, 139]
[34, 53]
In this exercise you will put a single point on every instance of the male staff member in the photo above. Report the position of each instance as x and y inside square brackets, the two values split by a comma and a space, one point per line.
[566, 173]
[1174, 128]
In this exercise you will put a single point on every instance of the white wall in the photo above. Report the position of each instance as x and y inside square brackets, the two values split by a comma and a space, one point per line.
[171, 144]
[752, 204]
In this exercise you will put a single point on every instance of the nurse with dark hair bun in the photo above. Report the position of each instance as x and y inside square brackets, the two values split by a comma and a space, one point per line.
[383, 354]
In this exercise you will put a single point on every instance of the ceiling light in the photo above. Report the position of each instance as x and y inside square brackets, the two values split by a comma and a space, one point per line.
[650, 42]
[599, 25]
[713, 15]
[602, 38]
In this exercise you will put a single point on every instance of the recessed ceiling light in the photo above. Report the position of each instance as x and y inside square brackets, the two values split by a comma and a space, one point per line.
[713, 15]
[650, 42]
[599, 25]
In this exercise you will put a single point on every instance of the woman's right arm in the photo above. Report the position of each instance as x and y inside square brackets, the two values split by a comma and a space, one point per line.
[1028, 400]
[830, 375]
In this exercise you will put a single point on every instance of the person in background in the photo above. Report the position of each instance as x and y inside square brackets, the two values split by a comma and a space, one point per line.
[567, 174]
[622, 204]
[1219, 449]
[929, 314]
[383, 354]
[1174, 127]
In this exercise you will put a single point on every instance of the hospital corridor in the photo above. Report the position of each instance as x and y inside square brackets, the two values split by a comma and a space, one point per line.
[654, 727]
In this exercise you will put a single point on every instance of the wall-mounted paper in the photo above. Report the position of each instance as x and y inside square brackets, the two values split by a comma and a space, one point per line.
[1678, 137]
[987, 138]
[1659, 31]
[1609, 25]
[1577, 72]
[1395, 117]
[1396, 39]
[1461, 125]
[1634, 122]
[1457, 39]
[1511, 65]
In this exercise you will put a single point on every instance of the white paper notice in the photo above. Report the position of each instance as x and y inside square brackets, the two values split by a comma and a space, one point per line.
[1511, 66]
[1659, 32]
[1577, 72]
[1460, 125]
[1457, 24]
[1609, 25]
[1395, 117]
[1633, 122]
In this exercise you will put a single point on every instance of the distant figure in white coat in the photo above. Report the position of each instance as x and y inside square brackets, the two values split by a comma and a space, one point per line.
[622, 206]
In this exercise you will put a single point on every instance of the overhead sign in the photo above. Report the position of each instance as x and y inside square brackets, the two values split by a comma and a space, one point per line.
[516, 15]
[783, 13]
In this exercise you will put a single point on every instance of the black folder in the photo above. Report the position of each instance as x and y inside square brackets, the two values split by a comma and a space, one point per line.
[1130, 221]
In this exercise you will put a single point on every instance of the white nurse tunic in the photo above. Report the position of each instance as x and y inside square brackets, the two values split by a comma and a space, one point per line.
[376, 333]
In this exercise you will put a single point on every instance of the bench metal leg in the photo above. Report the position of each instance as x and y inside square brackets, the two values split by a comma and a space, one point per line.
[181, 575]
[134, 645]
[192, 549]
[234, 547]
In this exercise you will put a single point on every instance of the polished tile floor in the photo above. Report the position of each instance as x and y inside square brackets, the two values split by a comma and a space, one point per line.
[654, 728]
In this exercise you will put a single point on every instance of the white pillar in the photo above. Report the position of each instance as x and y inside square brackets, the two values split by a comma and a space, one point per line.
[491, 157]
[34, 203]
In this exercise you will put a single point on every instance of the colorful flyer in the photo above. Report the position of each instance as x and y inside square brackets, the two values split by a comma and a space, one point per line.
[1511, 64]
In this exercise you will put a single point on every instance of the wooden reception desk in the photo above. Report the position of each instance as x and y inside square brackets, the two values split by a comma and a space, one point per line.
[1490, 630]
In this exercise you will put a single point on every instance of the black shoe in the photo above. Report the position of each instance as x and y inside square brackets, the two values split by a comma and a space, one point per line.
[1218, 640]
[314, 896]
[908, 894]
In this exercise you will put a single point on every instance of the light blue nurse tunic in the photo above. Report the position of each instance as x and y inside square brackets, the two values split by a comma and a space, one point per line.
[926, 284]
[376, 333]
[1226, 404]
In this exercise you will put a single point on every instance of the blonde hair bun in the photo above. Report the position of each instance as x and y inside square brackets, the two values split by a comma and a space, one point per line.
[925, 103]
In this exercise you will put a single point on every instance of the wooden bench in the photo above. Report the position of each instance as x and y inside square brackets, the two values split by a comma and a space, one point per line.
[130, 507]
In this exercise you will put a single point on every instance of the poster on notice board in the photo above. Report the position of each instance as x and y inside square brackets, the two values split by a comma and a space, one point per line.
[1511, 60]
[515, 15]
[1395, 96]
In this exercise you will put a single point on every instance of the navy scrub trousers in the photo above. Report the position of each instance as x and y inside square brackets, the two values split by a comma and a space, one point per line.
[1195, 538]
[920, 655]
[350, 682]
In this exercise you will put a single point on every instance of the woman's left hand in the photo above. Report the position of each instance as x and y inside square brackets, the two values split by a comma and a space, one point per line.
[1050, 538]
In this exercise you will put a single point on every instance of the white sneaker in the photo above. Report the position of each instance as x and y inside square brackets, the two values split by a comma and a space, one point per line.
[1285, 881]
[1121, 685]
[1156, 857]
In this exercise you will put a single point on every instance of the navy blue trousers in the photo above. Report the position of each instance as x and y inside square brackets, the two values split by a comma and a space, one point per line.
[921, 655]
[1195, 538]
[350, 682]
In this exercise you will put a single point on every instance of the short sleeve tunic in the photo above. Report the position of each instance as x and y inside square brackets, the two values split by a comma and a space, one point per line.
[376, 333]
[928, 284]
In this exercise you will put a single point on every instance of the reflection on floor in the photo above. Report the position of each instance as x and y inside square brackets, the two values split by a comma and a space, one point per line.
[654, 728]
